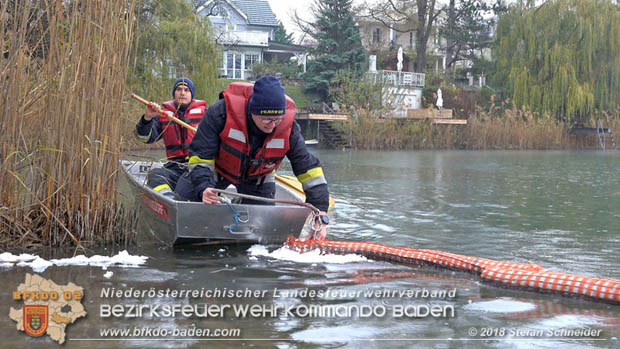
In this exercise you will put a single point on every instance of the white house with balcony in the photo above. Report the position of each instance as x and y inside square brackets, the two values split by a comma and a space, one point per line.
[402, 90]
[245, 30]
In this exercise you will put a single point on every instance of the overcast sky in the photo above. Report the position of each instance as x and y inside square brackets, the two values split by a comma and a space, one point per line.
[284, 8]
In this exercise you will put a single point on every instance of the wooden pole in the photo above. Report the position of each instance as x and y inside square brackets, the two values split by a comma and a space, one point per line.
[172, 117]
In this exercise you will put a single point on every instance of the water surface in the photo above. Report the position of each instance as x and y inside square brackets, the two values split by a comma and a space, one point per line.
[556, 209]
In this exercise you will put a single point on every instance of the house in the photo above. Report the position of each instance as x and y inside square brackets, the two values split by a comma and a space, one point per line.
[378, 37]
[245, 30]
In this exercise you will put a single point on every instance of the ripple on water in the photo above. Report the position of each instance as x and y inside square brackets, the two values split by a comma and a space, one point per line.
[385, 228]
[345, 226]
[422, 220]
[483, 204]
[457, 205]
[370, 234]
[568, 321]
[501, 305]
[333, 334]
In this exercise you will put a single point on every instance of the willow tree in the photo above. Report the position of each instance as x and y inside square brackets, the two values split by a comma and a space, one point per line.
[562, 57]
[172, 41]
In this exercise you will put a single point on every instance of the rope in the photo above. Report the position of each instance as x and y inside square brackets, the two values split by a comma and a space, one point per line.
[235, 216]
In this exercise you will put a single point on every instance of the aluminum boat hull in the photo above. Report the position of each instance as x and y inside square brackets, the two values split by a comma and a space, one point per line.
[174, 222]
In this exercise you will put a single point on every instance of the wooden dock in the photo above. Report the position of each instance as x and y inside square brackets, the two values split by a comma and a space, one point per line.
[437, 116]
[449, 121]
[325, 117]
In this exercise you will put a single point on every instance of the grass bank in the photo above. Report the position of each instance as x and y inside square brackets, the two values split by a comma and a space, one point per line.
[63, 67]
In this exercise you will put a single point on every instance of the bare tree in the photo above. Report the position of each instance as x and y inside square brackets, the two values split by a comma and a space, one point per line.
[208, 8]
[404, 16]
[207, 4]
[308, 28]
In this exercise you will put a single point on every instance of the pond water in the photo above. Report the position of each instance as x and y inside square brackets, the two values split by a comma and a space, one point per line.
[559, 209]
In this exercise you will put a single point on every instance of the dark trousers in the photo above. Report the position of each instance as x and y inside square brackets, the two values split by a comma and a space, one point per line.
[186, 190]
[168, 174]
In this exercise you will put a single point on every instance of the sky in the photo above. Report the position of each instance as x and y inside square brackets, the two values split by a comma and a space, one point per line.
[284, 9]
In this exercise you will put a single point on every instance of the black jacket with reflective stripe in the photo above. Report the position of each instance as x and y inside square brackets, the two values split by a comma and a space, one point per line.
[206, 144]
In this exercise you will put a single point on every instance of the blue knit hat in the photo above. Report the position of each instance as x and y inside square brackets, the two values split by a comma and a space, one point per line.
[183, 81]
[267, 97]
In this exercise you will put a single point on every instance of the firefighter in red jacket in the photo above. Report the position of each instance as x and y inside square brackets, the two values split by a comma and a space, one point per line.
[243, 139]
[154, 126]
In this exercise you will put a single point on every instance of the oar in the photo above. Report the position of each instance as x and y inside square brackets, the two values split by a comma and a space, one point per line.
[291, 184]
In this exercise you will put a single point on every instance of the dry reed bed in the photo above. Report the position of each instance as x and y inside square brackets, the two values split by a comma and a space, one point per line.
[63, 68]
[513, 128]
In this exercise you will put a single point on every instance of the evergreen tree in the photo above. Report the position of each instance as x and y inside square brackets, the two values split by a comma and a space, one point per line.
[172, 41]
[280, 35]
[562, 57]
[339, 46]
[465, 30]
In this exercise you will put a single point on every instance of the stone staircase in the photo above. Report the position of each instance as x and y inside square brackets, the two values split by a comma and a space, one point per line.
[331, 137]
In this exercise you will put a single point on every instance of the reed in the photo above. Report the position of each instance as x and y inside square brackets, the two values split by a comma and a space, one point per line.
[494, 128]
[514, 128]
[63, 69]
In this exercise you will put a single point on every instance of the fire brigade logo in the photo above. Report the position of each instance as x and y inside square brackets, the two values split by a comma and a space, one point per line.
[47, 308]
[35, 319]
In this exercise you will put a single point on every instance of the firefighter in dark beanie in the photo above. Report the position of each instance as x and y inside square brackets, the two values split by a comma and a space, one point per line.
[154, 126]
[243, 139]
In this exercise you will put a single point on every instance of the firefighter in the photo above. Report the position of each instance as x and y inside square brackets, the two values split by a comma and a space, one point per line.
[242, 141]
[154, 126]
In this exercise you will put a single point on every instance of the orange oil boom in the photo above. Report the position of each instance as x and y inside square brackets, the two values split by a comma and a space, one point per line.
[509, 274]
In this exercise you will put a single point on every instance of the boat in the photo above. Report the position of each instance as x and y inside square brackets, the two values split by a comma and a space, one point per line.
[174, 222]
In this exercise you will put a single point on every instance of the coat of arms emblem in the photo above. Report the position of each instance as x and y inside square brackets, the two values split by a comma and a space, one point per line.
[36, 319]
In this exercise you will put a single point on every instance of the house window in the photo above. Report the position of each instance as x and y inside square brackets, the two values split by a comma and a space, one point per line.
[376, 35]
[250, 59]
[392, 39]
[233, 65]
[411, 39]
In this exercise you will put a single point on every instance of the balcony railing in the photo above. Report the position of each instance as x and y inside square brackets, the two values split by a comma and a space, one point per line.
[250, 38]
[396, 78]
